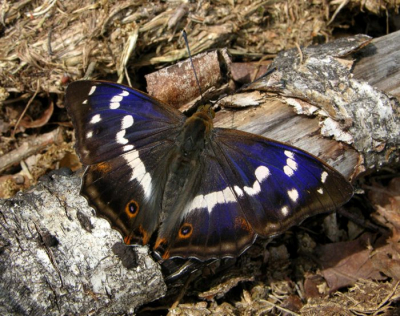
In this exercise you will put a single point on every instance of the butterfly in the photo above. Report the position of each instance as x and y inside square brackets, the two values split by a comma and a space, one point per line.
[186, 188]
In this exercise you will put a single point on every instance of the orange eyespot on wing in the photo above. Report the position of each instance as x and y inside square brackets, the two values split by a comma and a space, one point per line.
[137, 236]
[102, 167]
[161, 246]
[242, 223]
[185, 231]
[128, 239]
[132, 208]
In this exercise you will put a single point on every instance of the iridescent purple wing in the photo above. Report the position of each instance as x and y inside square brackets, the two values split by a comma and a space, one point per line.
[250, 186]
[111, 119]
[123, 136]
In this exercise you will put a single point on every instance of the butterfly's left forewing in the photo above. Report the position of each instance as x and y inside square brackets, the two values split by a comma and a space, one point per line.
[111, 119]
[124, 137]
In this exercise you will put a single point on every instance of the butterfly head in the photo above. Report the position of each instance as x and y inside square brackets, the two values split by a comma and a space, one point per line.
[206, 109]
[197, 131]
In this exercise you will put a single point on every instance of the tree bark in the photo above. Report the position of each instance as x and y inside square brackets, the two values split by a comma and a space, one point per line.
[58, 258]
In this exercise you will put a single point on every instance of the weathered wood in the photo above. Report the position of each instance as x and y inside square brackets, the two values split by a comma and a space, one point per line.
[379, 63]
[342, 120]
[349, 110]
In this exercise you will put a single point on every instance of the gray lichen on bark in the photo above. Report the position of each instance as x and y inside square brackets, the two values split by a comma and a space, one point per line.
[57, 257]
[351, 110]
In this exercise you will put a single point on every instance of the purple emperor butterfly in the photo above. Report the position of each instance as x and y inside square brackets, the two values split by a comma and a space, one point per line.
[188, 189]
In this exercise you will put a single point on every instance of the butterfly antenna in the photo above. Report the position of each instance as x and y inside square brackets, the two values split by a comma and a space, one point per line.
[191, 62]
[269, 71]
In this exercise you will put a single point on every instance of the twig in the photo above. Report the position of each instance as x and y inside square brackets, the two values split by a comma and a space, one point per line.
[182, 292]
[50, 51]
[300, 52]
[30, 147]
[387, 298]
[26, 108]
[341, 6]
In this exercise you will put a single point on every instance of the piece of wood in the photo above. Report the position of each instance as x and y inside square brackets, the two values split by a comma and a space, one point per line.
[379, 64]
[349, 110]
[355, 127]
[31, 146]
[177, 86]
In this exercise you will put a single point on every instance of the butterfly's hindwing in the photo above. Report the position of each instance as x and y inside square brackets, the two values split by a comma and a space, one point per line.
[128, 192]
[211, 224]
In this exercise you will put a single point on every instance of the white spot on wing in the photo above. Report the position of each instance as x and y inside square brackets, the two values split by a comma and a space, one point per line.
[89, 134]
[285, 211]
[116, 98]
[293, 194]
[228, 194]
[292, 164]
[120, 138]
[262, 173]
[127, 121]
[288, 171]
[84, 102]
[139, 172]
[211, 199]
[92, 90]
[254, 190]
[95, 119]
[290, 168]
[320, 191]
[127, 147]
[114, 105]
[238, 191]
[289, 154]
[146, 185]
[197, 202]
[324, 175]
